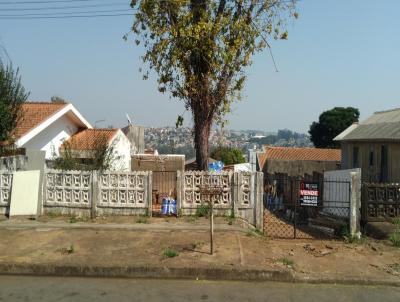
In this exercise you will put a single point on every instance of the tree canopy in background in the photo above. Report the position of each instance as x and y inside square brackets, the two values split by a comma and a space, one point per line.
[229, 156]
[201, 48]
[330, 124]
[12, 95]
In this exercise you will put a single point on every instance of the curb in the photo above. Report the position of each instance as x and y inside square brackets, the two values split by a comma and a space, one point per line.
[148, 272]
[133, 227]
[198, 273]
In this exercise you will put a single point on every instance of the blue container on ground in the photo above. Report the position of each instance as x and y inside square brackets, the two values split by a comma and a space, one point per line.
[165, 206]
[172, 207]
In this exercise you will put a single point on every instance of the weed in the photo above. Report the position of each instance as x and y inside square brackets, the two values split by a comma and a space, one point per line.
[230, 220]
[180, 213]
[142, 219]
[348, 238]
[73, 219]
[202, 210]
[259, 232]
[71, 249]
[53, 214]
[192, 218]
[286, 261]
[255, 233]
[170, 253]
[396, 222]
[232, 214]
[395, 236]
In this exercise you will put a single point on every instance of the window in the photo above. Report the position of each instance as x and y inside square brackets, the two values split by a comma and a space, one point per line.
[355, 157]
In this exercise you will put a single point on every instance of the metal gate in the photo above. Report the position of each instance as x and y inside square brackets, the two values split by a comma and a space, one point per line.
[306, 208]
[164, 184]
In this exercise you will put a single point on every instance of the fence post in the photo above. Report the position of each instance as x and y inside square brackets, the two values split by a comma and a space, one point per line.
[234, 194]
[178, 191]
[150, 193]
[95, 194]
[355, 196]
[259, 200]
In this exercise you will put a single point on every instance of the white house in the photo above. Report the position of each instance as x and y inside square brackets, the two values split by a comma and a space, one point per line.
[46, 126]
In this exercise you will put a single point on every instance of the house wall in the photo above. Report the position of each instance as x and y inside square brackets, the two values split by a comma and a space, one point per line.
[299, 167]
[51, 138]
[371, 171]
[122, 152]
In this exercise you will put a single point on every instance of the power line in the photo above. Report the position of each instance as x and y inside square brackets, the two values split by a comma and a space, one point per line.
[66, 17]
[42, 2]
[63, 7]
[68, 13]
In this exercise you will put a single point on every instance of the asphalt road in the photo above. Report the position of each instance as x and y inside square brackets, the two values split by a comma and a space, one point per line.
[17, 288]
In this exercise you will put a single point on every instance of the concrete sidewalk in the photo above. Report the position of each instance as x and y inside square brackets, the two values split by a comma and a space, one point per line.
[181, 250]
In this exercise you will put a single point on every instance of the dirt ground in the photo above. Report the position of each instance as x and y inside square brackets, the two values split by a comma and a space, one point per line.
[308, 259]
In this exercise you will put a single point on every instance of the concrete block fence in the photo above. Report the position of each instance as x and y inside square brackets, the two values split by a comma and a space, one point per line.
[95, 193]
[242, 193]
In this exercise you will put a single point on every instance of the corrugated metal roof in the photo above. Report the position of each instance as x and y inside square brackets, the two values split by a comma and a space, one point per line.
[382, 125]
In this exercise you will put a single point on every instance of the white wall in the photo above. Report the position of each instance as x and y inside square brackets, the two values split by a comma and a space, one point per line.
[337, 191]
[122, 152]
[51, 138]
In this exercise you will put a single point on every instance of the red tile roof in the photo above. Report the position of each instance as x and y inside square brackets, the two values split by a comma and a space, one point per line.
[288, 153]
[262, 157]
[90, 139]
[33, 114]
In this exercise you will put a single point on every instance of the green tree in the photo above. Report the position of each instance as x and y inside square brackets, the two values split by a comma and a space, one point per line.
[229, 156]
[12, 95]
[201, 48]
[331, 123]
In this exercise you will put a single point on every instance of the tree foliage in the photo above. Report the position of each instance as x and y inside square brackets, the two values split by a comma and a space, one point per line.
[12, 95]
[229, 156]
[331, 123]
[100, 157]
[201, 48]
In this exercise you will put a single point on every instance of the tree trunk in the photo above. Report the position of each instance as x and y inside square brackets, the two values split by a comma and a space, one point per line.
[202, 129]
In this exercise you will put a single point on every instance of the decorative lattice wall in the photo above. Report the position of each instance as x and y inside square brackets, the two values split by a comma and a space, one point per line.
[5, 188]
[123, 190]
[380, 202]
[68, 189]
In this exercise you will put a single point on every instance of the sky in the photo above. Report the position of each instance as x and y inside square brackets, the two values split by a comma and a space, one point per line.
[339, 53]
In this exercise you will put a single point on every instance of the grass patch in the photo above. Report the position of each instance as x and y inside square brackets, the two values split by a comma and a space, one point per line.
[73, 219]
[286, 261]
[170, 253]
[202, 210]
